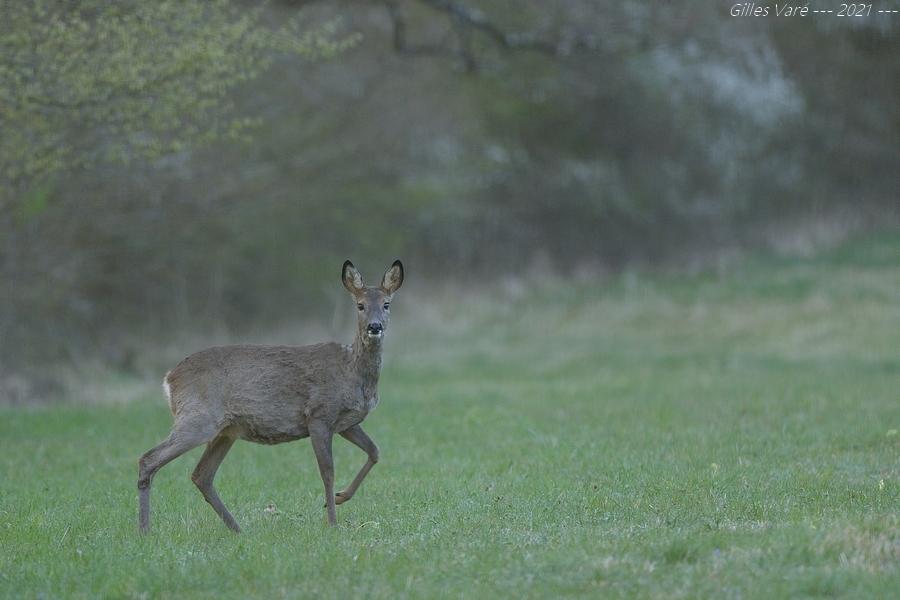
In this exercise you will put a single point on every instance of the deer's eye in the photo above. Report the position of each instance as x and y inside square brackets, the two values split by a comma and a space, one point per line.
[387, 306]
[361, 307]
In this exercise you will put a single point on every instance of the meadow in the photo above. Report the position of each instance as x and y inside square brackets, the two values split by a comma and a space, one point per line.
[726, 434]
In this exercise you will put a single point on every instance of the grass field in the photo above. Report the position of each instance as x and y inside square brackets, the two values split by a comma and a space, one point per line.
[716, 435]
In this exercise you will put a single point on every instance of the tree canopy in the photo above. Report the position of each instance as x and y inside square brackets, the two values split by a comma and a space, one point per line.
[91, 82]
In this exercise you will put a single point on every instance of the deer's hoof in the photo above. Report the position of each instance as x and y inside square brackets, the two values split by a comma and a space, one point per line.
[339, 498]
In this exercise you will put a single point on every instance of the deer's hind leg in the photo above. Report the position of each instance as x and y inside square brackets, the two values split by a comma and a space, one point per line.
[357, 436]
[205, 472]
[185, 436]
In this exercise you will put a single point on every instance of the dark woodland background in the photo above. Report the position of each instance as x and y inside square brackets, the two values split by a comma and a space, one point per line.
[207, 166]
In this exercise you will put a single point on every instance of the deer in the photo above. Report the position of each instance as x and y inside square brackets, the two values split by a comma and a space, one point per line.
[276, 394]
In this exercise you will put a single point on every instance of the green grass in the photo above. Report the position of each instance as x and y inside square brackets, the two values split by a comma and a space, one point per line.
[659, 436]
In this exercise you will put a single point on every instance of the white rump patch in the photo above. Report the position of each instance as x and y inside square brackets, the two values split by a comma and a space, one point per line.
[168, 390]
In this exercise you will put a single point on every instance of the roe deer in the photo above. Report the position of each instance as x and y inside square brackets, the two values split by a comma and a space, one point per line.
[274, 394]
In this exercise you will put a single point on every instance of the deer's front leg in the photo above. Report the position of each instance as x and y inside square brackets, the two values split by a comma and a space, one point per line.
[357, 436]
[321, 442]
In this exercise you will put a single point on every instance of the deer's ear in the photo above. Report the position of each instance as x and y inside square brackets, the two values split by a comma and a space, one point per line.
[393, 278]
[351, 278]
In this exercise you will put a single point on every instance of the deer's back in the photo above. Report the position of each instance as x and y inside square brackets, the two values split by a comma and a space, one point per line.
[265, 394]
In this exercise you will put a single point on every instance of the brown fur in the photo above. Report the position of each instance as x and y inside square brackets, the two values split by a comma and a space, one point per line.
[274, 394]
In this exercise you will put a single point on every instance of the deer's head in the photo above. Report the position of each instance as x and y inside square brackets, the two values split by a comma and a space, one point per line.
[373, 303]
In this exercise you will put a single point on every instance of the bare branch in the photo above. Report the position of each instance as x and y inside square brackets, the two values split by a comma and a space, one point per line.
[466, 21]
[475, 19]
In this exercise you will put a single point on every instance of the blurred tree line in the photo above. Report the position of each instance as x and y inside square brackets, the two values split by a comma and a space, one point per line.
[197, 164]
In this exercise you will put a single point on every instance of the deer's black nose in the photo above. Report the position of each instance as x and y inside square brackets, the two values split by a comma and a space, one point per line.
[375, 328]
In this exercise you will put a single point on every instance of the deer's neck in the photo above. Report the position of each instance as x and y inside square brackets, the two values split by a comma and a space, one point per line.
[366, 360]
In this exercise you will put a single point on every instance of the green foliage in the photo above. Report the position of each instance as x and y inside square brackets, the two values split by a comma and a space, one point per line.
[710, 437]
[92, 82]
[35, 203]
